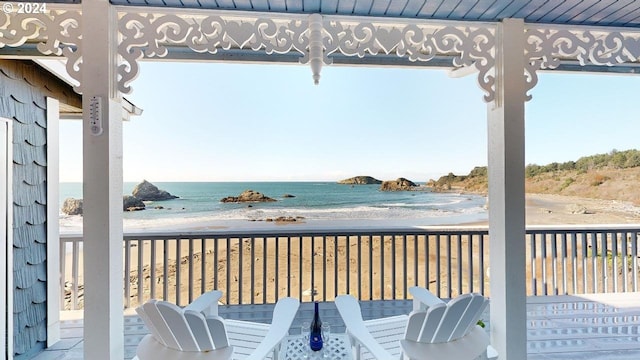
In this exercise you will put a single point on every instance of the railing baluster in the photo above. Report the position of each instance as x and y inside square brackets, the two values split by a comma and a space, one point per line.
[545, 281]
[359, 262]
[264, 269]
[252, 265]
[605, 253]
[336, 263]
[370, 267]
[449, 282]
[470, 260]
[427, 263]
[625, 261]
[165, 269]
[481, 265]
[140, 274]
[313, 267]
[152, 270]
[215, 263]
[127, 273]
[584, 246]
[636, 255]
[300, 256]
[347, 264]
[190, 271]
[75, 254]
[534, 268]
[203, 265]
[382, 267]
[178, 268]
[614, 256]
[459, 252]
[574, 262]
[554, 262]
[563, 240]
[594, 261]
[405, 289]
[415, 261]
[289, 266]
[63, 273]
[228, 267]
[393, 267]
[276, 270]
[438, 285]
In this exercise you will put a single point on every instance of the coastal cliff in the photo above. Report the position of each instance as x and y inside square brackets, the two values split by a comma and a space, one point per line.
[360, 180]
[612, 176]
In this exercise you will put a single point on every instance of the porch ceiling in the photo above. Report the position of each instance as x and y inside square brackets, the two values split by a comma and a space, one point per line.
[616, 13]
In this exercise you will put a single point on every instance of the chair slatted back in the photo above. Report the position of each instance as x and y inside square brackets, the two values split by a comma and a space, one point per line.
[431, 323]
[451, 318]
[174, 317]
[198, 325]
[444, 322]
[183, 329]
[471, 316]
[217, 332]
[162, 331]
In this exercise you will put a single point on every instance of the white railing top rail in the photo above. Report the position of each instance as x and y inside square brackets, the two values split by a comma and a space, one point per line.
[355, 231]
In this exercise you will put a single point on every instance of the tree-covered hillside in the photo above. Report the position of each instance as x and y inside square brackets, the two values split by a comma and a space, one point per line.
[613, 176]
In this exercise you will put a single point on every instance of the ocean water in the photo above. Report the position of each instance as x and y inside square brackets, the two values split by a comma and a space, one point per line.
[319, 203]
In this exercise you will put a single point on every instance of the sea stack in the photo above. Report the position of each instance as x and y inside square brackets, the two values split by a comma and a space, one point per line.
[400, 184]
[248, 196]
[146, 191]
[360, 180]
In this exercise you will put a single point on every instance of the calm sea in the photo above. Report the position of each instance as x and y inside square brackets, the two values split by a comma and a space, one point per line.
[319, 203]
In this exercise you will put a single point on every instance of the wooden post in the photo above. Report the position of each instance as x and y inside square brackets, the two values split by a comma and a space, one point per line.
[102, 185]
[506, 194]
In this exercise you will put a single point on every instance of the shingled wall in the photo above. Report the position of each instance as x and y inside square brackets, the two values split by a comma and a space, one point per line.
[24, 87]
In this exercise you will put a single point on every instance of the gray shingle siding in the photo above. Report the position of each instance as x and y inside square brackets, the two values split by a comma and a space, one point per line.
[24, 87]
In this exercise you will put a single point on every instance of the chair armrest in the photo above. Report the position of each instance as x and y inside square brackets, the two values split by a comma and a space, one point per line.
[351, 314]
[423, 299]
[207, 303]
[492, 353]
[283, 315]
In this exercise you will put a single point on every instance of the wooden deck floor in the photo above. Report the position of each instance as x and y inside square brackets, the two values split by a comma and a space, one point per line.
[593, 327]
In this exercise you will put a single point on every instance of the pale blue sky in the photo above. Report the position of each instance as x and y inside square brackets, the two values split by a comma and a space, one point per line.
[238, 122]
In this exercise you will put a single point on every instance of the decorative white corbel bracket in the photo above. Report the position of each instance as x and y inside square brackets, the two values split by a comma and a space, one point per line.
[547, 48]
[316, 48]
[59, 33]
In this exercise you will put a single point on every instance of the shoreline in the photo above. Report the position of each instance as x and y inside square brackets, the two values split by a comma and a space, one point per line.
[548, 210]
[541, 209]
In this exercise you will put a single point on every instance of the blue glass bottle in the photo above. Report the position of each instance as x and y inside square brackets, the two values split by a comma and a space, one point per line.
[315, 338]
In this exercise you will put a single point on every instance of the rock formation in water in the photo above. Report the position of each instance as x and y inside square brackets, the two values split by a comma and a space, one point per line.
[72, 206]
[248, 196]
[400, 184]
[132, 203]
[146, 191]
[360, 180]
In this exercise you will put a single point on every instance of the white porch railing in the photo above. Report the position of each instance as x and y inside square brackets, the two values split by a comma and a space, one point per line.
[261, 266]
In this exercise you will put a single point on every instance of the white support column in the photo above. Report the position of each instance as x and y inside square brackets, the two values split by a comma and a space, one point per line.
[53, 223]
[102, 207]
[506, 194]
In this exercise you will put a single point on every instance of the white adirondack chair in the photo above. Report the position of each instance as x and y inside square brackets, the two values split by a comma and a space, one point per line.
[433, 330]
[198, 333]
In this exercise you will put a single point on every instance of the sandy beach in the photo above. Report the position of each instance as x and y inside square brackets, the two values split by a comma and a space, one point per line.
[267, 260]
